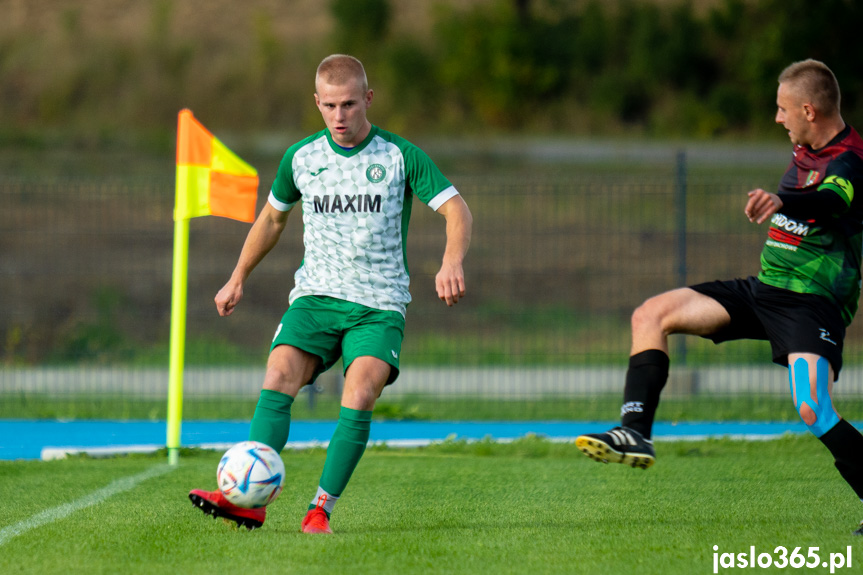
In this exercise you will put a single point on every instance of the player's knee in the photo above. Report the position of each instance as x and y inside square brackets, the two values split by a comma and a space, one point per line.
[807, 414]
[816, 412]
[646, 317]
[820, 419]
[360, 397]
[284, 379]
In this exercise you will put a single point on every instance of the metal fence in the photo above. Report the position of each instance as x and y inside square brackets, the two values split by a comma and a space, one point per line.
[562, 252]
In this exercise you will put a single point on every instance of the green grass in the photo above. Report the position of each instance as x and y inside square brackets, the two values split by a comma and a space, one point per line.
[527, 507]
[533, 337]
[748, 407]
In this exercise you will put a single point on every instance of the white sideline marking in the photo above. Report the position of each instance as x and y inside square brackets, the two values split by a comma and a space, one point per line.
[49, 453]
[63, 511]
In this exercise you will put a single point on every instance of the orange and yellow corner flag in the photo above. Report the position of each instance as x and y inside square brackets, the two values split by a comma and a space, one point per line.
[211, 179]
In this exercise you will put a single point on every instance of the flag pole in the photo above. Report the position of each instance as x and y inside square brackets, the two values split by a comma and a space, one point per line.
[211, 180]
[178, 337]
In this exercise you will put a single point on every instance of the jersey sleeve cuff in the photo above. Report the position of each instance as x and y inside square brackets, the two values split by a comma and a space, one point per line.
[278, 204]
[442, 197]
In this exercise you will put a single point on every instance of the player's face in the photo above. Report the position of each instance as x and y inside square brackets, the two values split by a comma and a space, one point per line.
[791, 113]
[343, 108]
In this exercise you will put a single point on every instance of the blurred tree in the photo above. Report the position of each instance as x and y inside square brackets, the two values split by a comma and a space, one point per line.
[645, 66]
[513, 67]
[361, 26]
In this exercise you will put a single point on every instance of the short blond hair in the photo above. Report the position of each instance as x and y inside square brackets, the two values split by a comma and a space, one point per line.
[814, 81]
[339, 69]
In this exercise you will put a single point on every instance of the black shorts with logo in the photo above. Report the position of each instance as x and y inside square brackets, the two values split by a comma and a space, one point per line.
[792, 322]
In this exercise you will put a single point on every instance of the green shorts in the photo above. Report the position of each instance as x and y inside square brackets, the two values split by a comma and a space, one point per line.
[332, 328]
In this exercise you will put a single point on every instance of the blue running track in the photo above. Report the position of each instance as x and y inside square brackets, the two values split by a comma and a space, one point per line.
[26, 439]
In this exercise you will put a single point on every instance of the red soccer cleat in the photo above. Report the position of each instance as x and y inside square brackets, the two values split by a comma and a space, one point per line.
[214, 503]
[316, 520]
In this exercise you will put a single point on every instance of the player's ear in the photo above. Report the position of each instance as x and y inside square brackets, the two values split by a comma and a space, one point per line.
[809, 111]
[369, 95]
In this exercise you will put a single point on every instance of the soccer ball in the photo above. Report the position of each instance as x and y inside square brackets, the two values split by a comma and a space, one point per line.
[251, 474]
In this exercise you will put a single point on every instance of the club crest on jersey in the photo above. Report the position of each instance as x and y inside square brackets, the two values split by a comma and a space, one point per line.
[376, 173]
[812, 177]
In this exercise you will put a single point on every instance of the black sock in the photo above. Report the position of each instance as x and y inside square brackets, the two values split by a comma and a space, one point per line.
[645, 378]
[846, 445]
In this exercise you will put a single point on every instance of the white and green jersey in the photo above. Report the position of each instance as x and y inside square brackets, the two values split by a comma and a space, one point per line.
[356, 207]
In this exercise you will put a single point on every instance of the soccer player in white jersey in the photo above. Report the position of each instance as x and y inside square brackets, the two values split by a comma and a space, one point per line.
[355, 183]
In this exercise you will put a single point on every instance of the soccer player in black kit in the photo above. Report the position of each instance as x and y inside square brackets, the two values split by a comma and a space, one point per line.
[803, 298]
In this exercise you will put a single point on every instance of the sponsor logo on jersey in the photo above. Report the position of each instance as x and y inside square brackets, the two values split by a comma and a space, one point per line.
[376, 173]
[812, 178]
[786, 231]
[318, 172]
[343, 203]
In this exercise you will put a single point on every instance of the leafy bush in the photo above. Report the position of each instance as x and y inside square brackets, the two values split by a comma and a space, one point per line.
[491, 65]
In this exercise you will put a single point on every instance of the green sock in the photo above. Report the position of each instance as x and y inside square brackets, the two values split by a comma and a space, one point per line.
[345, 449]
[272, 420]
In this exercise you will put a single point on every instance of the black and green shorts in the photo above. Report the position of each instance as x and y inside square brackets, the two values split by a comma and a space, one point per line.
[332, 328]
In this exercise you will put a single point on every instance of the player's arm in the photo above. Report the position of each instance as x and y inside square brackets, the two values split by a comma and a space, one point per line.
[449, 281]
[262, 237]
[823, 202]
[833, 196]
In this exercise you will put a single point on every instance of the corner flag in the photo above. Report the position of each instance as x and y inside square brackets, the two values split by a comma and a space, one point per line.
[211, 180]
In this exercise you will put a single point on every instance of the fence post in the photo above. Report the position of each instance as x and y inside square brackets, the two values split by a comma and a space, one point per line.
[680, 209]
[682, 380]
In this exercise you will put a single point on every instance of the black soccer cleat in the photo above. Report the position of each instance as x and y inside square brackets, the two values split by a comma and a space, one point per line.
[618, 445]
[859, 530]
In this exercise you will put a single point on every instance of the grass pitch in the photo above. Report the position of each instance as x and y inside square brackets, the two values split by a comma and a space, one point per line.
[527, 507]
[597, 407]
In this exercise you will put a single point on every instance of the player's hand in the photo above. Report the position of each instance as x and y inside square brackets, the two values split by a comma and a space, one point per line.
[761, 205]
[228, 297]
[449, 283]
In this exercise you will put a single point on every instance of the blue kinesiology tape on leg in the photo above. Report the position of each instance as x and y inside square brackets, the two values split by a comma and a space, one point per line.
[825, 416]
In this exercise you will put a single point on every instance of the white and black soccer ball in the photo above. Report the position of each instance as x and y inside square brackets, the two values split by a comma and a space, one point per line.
[251, 474]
